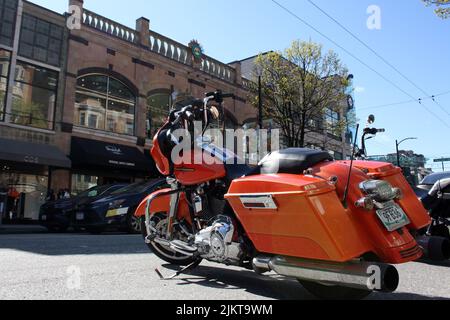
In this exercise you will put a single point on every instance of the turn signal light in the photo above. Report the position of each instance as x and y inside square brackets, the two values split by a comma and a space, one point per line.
[365, 203]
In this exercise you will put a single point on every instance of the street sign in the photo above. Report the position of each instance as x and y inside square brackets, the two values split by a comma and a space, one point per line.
[442, 160]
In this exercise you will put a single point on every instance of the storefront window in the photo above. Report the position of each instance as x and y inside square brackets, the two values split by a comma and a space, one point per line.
[5, 58]
[81, 183]
[26, 193]
[104, 103]
[157, 112]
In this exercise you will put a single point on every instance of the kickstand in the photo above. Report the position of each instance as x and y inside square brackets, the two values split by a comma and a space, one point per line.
[191, 266]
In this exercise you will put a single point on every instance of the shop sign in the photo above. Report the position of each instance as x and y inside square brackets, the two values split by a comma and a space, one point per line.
[31, 159]
[122, 163]
[114, 150]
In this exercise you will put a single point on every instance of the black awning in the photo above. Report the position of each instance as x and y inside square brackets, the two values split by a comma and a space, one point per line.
[91, 153]
[32, 153]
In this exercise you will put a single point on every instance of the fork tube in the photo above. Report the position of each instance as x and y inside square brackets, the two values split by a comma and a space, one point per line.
[174, 201]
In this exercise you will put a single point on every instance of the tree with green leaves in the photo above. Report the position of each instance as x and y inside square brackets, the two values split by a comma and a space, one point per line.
[299, 86]
[442, 7]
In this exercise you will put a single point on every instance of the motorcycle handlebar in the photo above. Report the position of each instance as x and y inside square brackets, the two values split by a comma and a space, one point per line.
[373, 131]
[218, 96]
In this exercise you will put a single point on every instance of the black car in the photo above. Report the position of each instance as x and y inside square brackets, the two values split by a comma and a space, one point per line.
[429, 181]
[116, 210]
[56, 216]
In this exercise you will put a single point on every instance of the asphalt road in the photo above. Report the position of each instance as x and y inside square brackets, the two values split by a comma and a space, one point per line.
[114, 266]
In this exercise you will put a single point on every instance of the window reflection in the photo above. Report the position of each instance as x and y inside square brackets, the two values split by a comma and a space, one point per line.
[105, 103]
[81, 183]
[332, 121]
[34, 96]
[40, 40]
[5, 57]
[8, 9]
[157, 112]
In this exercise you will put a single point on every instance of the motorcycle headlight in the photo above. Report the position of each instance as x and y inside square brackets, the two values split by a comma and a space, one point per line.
[380, 190]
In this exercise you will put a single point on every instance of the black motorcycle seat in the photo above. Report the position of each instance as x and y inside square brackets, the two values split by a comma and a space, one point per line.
[290, 161]
[293, 160]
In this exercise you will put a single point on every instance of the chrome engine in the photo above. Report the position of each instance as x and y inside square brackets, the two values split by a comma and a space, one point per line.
[215, 243]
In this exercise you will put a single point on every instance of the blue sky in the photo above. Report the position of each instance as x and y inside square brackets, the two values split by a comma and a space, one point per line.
[411, 38]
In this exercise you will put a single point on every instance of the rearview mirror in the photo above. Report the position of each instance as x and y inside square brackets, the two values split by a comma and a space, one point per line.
[371, 119]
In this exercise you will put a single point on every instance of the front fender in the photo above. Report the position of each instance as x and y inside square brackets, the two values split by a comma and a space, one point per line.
[161, 204]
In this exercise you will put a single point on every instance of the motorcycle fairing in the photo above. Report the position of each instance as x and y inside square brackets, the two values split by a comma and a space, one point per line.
[161, 204]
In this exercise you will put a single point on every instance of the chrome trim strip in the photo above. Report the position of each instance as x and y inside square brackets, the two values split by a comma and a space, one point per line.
[259, 202]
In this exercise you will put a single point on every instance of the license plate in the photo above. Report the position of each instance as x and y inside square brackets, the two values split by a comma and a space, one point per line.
[393, 217]
[80, 216]
[117, 212]
[44, 218]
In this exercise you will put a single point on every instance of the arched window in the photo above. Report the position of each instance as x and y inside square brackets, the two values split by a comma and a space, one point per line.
[104, 103]
[159, 103]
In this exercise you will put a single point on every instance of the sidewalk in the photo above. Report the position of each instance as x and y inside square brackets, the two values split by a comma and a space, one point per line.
[21, 229]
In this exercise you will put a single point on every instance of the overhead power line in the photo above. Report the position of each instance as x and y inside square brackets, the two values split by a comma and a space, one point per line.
[404, 102]
[378, 55]
[358, 59]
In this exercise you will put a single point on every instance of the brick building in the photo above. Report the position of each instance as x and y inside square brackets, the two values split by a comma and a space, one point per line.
[79, 106]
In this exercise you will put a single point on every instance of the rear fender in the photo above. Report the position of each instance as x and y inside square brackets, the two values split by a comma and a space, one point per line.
[161, 204]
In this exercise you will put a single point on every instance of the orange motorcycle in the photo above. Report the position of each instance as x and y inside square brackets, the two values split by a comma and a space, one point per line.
[336, 226]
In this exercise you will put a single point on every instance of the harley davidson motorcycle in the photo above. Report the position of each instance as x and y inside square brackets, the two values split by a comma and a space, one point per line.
[336, 226]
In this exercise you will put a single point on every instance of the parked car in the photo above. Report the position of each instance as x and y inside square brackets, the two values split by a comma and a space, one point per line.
[115, 211]
[56, 216]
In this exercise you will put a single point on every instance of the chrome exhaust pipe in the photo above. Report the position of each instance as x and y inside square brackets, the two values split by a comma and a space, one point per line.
[357, 274]
[435, 248]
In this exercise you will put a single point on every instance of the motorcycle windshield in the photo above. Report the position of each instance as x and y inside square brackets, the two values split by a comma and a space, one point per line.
[224, 155]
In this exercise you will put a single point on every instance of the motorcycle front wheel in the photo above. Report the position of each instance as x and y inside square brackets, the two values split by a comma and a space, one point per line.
[325, 292]
[163, 253]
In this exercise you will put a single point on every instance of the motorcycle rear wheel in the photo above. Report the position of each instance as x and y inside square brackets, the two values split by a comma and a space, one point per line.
[169, 256]
[325, 292]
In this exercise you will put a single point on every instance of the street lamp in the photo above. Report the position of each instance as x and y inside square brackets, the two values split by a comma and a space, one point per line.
[398, 144]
